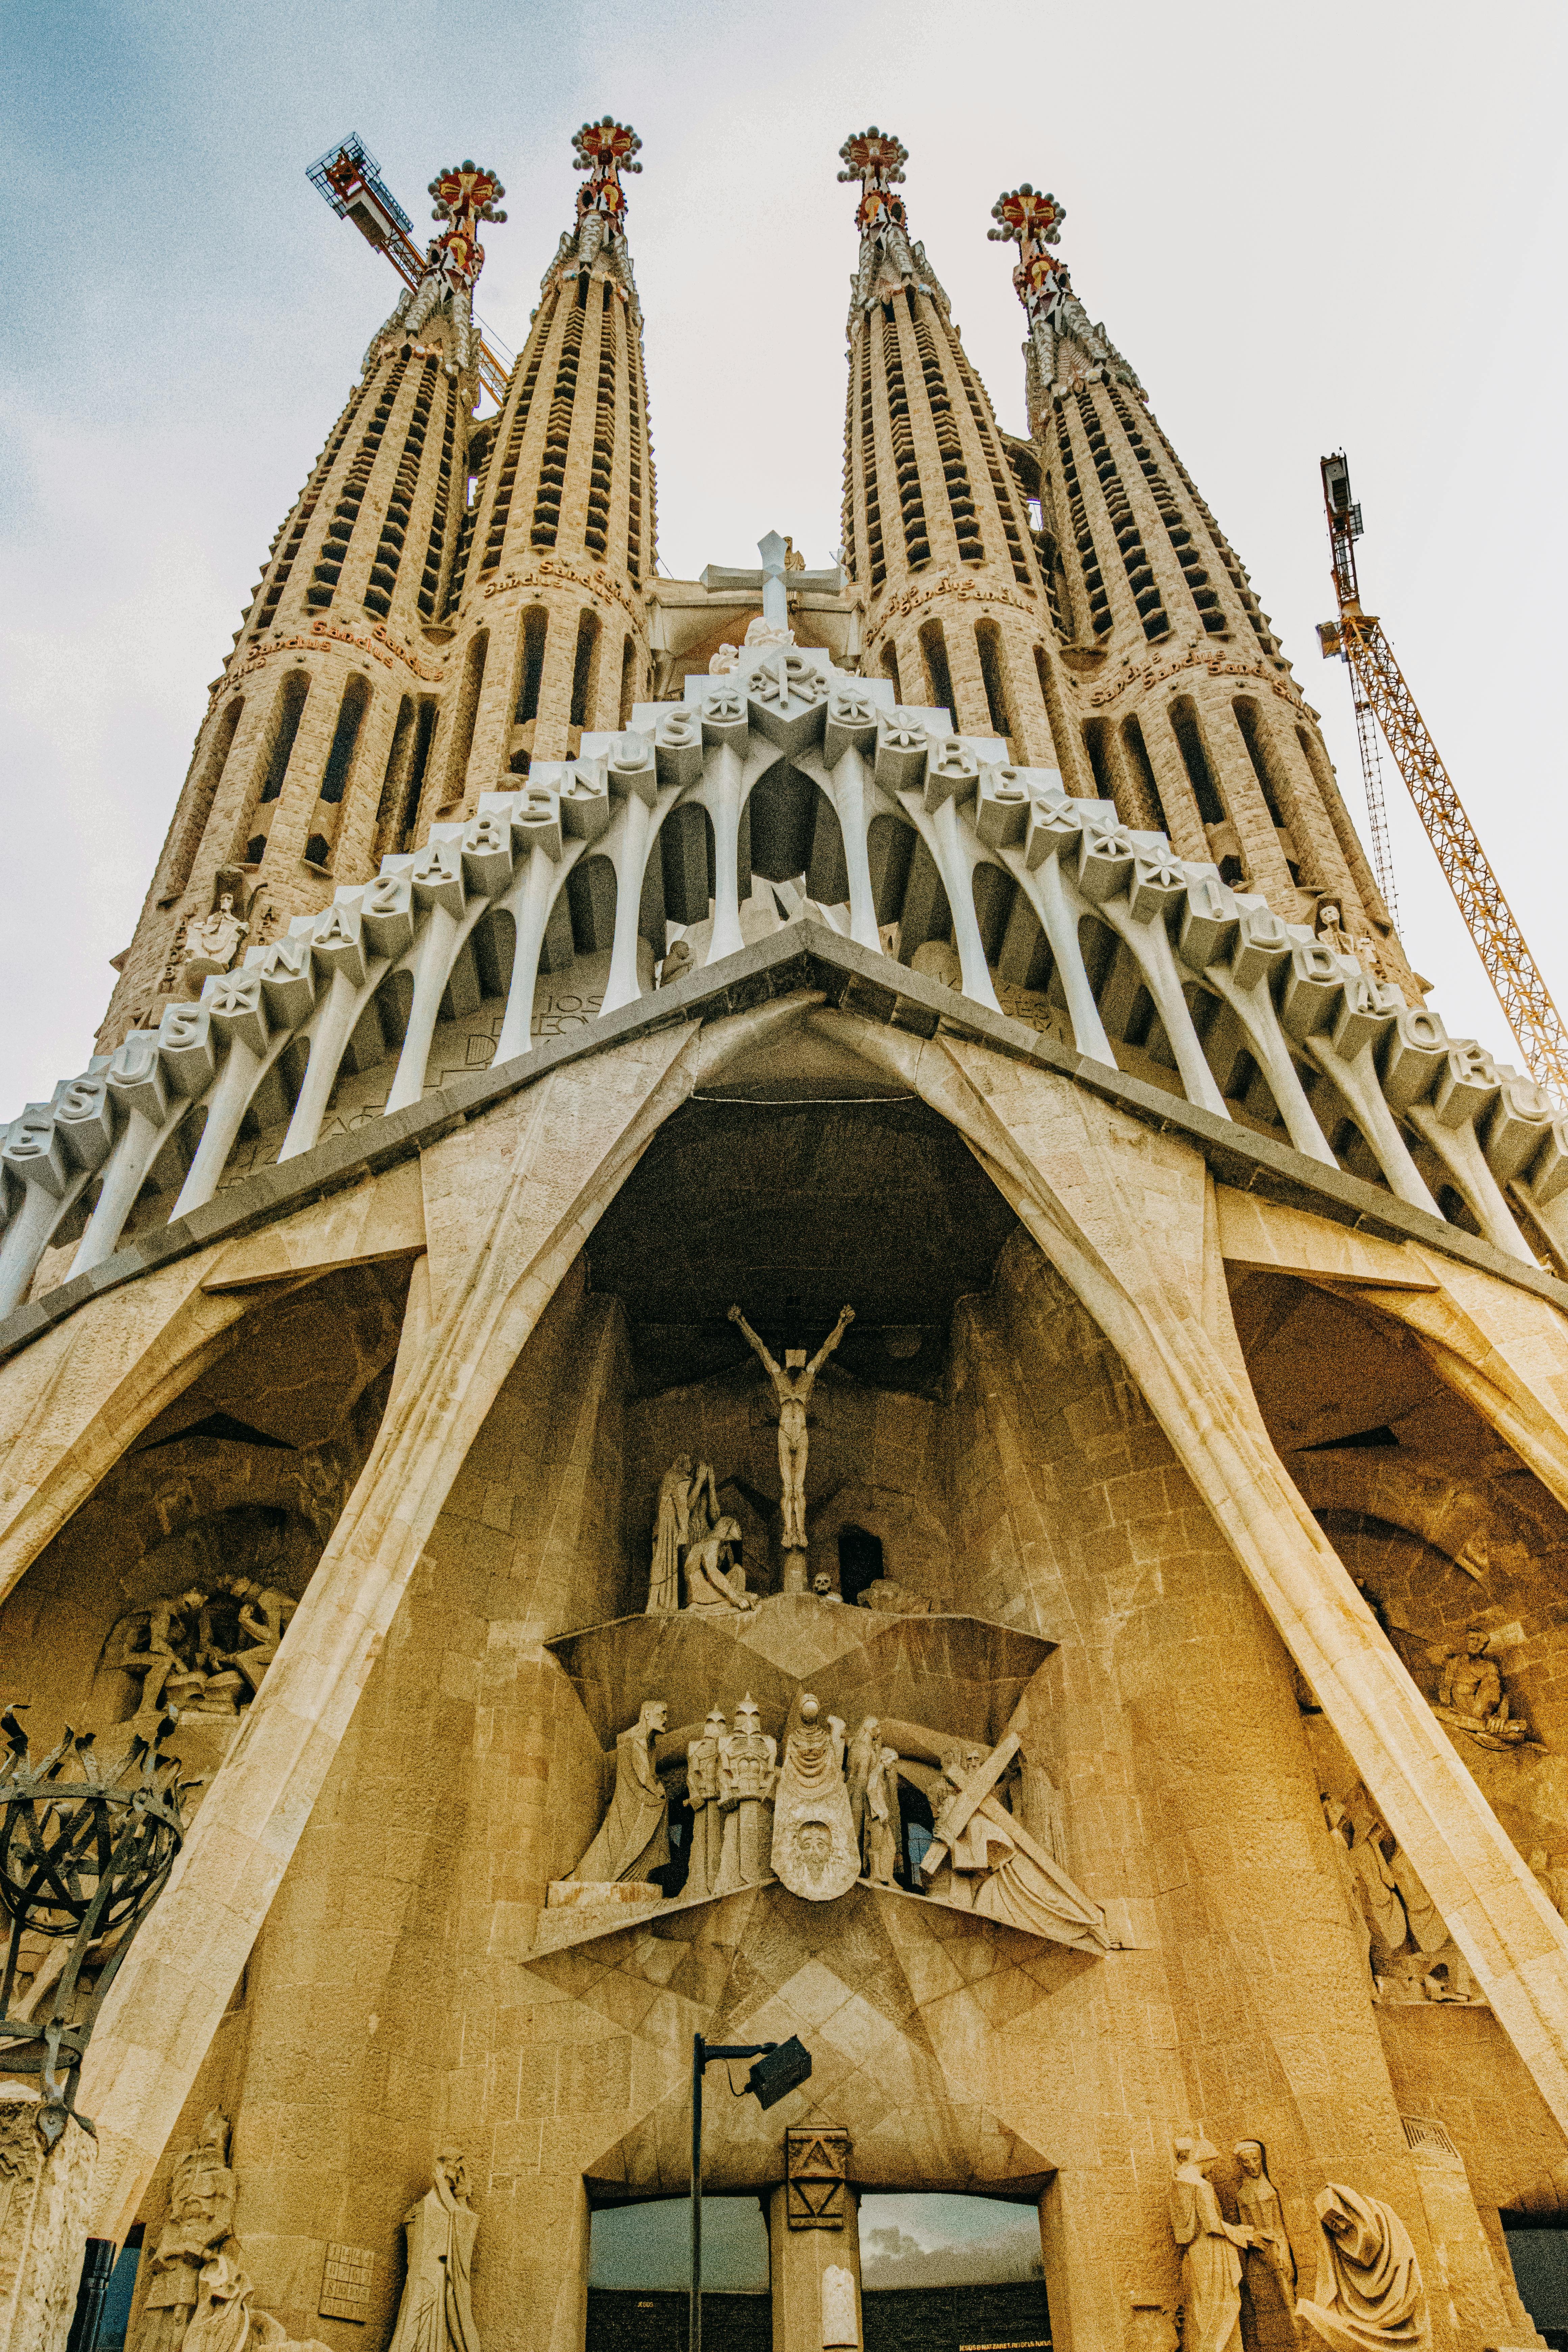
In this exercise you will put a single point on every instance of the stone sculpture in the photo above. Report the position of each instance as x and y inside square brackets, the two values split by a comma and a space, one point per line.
[671, 1525]
[864, 1751]
[714, 1578]
[1470, 1695]
[884, 1820]
[1211, 2253]
[996, 1868]
[890, 1599]
[840, 2324]
[264, 1615]
[213, 941]
[437, 2311]
[633, 1837]
[814, 1850]
[748, 1775]
[1257, 2202]
[793, 1386]
[703, 1795]
[1370, 2296]
[180, 1649]
[199, 2227]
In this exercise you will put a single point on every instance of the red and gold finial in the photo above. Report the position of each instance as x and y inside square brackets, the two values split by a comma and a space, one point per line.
[605, 150]
[464, 196]
[877, 160]
[1032, 220]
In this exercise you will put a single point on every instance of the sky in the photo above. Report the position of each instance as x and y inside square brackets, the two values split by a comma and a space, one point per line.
[905, 2241]
[1307, 227]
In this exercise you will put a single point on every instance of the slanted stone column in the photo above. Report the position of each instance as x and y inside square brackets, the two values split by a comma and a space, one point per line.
[813, 2311]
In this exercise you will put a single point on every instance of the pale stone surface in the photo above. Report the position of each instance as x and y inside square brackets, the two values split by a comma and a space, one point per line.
[45, 2197]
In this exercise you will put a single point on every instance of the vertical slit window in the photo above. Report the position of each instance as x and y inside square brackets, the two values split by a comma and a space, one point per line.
[307, 507]
[440, 512]
[328, 569]
[628, 682]
[637, 406]
[200, 808]
[939, 677]
[1223, 549]
[285, 727]
[1196, 760]
[1182, 545]
[1146, 597]
[1143, 768]
[1006, 506]
[468, 713]
[558, 428]
[596, 529]
[950, 449]
[399, 515]
[906, 467]
[890, 669]
[345, 735]
[506, 475]
[424, 735]
[988, 644]
[535, 626]
[1094, 743]
[1083, 536]
[874, 551]
[582, 670]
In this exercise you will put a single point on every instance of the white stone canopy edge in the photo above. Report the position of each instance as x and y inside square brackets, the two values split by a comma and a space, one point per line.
[1324, 1034]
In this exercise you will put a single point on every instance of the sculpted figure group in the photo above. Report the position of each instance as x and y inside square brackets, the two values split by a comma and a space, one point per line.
[830, 1811]
[1410, 1953]
[202, 1653]
[1369, 2295]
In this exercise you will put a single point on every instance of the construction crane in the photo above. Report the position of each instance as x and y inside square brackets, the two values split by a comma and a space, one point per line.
[1382, 696]
[349, 177]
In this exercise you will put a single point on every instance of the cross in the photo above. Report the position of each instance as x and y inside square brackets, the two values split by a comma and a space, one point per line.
[718, 579]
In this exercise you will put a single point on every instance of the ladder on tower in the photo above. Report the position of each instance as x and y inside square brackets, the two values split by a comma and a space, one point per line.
[1382, 699]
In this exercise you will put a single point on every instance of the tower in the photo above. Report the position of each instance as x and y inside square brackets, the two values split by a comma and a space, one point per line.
[308, 763]
[1182, 703]
[546, 593]
[934, 528]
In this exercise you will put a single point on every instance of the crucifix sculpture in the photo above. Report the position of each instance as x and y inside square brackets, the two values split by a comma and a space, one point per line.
[793, 1383]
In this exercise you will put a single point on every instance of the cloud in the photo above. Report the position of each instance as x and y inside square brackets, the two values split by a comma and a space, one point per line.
[891, 2257]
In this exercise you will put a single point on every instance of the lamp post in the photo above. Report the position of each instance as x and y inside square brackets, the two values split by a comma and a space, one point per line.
[780, 2067]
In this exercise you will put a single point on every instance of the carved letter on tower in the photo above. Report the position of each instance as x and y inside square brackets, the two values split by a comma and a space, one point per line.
[816, 2161]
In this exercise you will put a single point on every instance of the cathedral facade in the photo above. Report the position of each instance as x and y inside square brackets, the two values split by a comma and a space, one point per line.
[773, 1317]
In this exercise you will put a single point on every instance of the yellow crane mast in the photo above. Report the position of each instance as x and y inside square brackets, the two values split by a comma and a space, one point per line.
[1380, 695]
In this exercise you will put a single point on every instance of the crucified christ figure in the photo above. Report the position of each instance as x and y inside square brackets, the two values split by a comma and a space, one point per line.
[792, 1388]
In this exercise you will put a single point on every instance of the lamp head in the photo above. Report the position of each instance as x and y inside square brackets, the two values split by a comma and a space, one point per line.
[779, 2072]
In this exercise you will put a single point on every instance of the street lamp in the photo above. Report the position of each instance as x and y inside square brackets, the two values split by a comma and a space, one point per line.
[780, 2067]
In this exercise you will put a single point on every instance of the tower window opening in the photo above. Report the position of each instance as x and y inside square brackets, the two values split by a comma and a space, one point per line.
[1137, 752]
[405, 490]
[1182, 545]
[1147, 600]
[317, 851]
[424, 736]
[345, 735]
[906, 465]
[582, 669]
[285, 726]
[200, 806]
[307, 507]
[328, 569]
[558, 428]
[628, 682]
[506, 475]
[950, 449]
[441, 511]
[1261, 751]
[636, 408]
[1196, 760]
[1001, 489]
[1083, 537]
[988, 644]
[1223, 549]
[1094, 734]
[874, 550]
[939, 677]
[890, 669]
[468, 712]
[535, 628]
[596, 528]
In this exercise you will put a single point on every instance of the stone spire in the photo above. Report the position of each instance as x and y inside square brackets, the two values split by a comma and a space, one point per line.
[546, 595]
[1179, 706]
[934, 525]
[465, 196]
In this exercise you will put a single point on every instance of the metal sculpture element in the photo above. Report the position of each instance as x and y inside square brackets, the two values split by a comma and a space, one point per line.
[84, 1854]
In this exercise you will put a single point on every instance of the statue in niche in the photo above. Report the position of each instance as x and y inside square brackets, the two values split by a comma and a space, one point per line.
[633, 1841]
[759, 633]
[991, 1865]
[202, 1653]
[213, 941]
[815, 1852]
[865, 1752]
[714, 1578]
[1370, 2296]
[748, 1776]
[703, 1795]
[670, 1529]
[193, 2240]
[1257, 2202]
[1211, 2253]
[437, 2312]
[1470, 1695]
[793, 1386]
[264, 1615]
[884, 1820]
